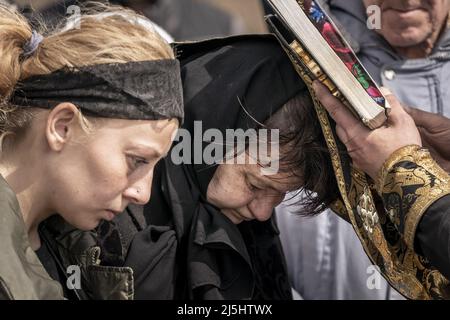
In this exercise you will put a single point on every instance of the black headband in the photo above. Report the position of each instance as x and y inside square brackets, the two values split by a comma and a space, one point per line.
[145, 90]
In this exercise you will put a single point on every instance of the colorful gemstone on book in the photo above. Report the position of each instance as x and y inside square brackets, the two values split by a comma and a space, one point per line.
[321, 21]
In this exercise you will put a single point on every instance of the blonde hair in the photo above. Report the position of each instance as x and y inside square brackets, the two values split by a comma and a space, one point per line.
[103, 34]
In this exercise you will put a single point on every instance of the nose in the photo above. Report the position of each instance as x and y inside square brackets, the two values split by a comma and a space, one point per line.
[262, 207]
[139, 192]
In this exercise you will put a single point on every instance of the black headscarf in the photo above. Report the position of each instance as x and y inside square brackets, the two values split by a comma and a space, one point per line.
[236, 83]
[189, 248]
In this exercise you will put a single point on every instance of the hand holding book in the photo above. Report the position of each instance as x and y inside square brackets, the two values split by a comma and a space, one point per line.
[321, 53]
[435, 132]
[370, 149]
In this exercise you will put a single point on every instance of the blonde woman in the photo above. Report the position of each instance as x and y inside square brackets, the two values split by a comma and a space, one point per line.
[85, 114]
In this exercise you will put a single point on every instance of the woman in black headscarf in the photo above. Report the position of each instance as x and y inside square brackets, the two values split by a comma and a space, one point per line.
[195, 238]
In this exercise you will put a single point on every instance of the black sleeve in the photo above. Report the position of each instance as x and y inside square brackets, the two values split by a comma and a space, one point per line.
[433, 235]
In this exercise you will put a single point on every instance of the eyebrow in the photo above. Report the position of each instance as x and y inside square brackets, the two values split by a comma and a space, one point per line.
[264, 182]
[149, 150]
[272, 183]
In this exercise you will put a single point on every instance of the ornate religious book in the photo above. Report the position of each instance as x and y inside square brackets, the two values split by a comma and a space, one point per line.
[321, 53]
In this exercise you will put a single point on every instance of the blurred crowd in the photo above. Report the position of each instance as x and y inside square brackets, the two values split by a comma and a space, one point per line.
[182, 19]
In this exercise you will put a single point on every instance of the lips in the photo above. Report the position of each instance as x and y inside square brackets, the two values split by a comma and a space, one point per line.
[404, 11]
[116, 212]
[111, 214]
[401, 9]
[405, 14]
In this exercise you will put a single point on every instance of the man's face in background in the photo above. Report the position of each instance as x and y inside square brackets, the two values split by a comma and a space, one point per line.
[407, 23]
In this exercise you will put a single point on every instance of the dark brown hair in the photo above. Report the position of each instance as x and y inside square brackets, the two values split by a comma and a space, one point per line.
[304, 153]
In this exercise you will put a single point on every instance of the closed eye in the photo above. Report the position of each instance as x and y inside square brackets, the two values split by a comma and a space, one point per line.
[251, 186]
[135, 162]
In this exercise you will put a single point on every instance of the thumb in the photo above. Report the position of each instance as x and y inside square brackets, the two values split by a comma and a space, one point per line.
[426, 119]
[397, 111]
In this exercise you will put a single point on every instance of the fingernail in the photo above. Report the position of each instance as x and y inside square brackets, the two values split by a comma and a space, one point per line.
[385, 91]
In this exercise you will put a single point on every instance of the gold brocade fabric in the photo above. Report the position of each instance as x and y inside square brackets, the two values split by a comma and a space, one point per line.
[387, 235]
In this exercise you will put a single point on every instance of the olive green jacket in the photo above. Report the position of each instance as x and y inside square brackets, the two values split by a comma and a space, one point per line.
[72, 247]
[22, 276]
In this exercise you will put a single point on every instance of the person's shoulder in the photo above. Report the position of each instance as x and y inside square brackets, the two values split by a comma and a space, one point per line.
[12, 225]
[353, 8]
[443, 45]
[8, 202]
[5, 292]
[12, 231]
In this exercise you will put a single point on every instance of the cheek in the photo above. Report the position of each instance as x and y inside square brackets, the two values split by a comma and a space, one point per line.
[262, 207]
[400, 35]
[228, 190]
[106, 170]
[75, 203]
[103, 178]
[441, 13]
[236, 198]
[86, 179]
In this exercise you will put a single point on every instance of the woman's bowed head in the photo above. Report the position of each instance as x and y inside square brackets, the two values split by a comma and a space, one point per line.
[84, 158]
[268, 109]
[245, 191]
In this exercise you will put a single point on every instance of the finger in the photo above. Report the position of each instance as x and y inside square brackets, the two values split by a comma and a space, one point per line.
[397, 112]
[427, 119]
[407, 109]
[342, 134]
[335, 108]
[385, 91]
[352, 143]
[392, 99]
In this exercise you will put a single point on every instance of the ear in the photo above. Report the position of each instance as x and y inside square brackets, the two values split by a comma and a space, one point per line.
[61, 124]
